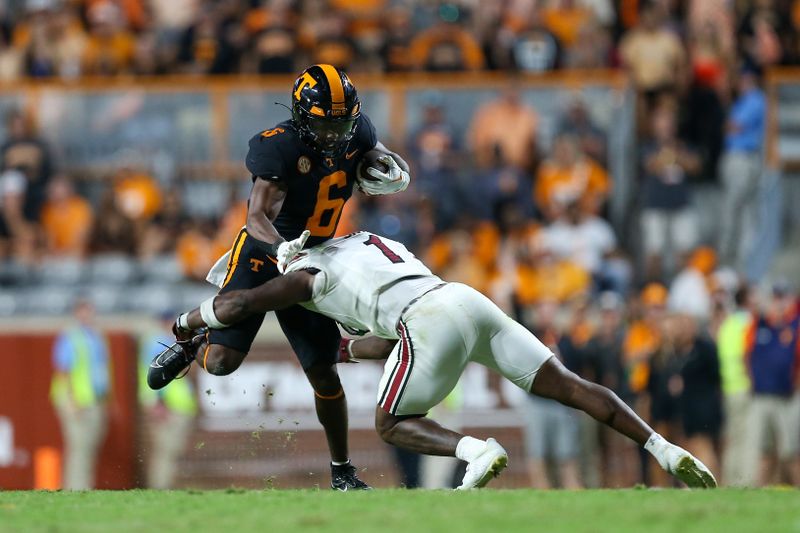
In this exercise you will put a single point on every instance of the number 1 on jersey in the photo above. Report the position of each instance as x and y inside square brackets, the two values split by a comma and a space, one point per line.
[390, 255]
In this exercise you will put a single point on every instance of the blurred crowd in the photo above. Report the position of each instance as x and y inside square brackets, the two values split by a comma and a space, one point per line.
[656, 310]
[71, 38]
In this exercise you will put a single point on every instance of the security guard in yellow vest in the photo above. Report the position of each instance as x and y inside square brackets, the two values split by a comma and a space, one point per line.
[741, 455]
[80, 386]
[169, 412]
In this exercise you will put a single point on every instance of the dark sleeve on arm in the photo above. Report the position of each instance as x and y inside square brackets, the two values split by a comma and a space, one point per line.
[264, 159]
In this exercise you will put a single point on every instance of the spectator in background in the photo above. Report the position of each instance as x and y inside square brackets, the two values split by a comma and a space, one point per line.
[689, 292]
[491, 189]
[592, 49]
[435, 151]
[684, 387]
[577, 121]
[169, 412]
[588, 241]
[110, 47]
[741, 167]
[454, 258]
[534, 47]
[160, 235]
[274, 51]
[28, 153]
[214, 44]
[773, 360]
[757, 36]
[11, 59]
[603, 354]
[654, 56]
[81, 384]
[643, 338]
[137, 194]
[568, 175]
[703, 113]
[66, 219]
[54, 43]
[702, 15]
[566, 19]
[197, 248]
[551, 429]
[112, 230]
[447, 46]
[740, 456]
[397, 39]
[503, 131]
[542, 276]
[16, 234]
[332, 44]
[669, 227]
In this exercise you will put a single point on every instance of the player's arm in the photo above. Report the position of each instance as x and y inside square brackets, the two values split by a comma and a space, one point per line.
[366, 348]
[231, 307]
[266, 200]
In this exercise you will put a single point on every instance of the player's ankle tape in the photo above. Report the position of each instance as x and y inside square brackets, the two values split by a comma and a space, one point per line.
[208, 315]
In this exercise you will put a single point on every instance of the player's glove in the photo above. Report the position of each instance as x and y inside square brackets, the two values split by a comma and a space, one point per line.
[346, 352]
[288, 249]
[395, 179]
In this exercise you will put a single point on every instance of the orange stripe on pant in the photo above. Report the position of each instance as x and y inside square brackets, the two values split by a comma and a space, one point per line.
[234, 260]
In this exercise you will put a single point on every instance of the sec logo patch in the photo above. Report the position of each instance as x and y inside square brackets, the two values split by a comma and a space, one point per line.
[304, 164]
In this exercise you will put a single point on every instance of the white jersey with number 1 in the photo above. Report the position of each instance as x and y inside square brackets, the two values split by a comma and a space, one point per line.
[364, 281]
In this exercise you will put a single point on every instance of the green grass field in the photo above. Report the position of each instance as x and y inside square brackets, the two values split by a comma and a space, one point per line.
[237, 511]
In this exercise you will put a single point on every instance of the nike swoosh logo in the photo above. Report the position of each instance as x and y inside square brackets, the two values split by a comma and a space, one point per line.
[351, 154]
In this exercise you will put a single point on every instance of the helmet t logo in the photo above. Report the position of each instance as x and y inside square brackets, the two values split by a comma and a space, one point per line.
[307, 81]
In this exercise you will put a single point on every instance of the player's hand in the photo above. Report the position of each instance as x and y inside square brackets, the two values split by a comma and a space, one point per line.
[346, 352]
[395, 179]
[288, 249]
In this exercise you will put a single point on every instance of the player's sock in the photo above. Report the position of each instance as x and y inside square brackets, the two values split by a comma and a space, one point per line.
[337, 463]
[657, 446]
[469, 448]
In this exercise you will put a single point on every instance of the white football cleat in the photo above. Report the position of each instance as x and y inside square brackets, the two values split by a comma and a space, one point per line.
[486, 466]
[680, 463]
[689, 469]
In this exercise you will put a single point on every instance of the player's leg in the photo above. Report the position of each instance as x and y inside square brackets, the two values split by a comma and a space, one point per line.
[419, 373]
[416, 433]
[315, 340]
[221, 351]
[554, 381]
[225, 349]
[518, 355]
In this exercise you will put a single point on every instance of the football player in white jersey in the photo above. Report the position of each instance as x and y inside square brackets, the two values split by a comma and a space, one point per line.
[369, 283]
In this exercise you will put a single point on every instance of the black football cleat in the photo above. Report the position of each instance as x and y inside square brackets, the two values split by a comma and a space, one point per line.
[173, 362]
[344, 478]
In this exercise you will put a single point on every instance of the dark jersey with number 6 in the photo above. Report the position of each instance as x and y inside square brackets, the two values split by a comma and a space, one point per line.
[316, 190]
[317, 187]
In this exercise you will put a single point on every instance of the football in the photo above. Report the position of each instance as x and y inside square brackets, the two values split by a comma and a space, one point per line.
[370, 159]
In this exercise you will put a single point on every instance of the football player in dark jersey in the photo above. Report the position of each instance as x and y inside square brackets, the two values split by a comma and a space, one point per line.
[303, 170]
